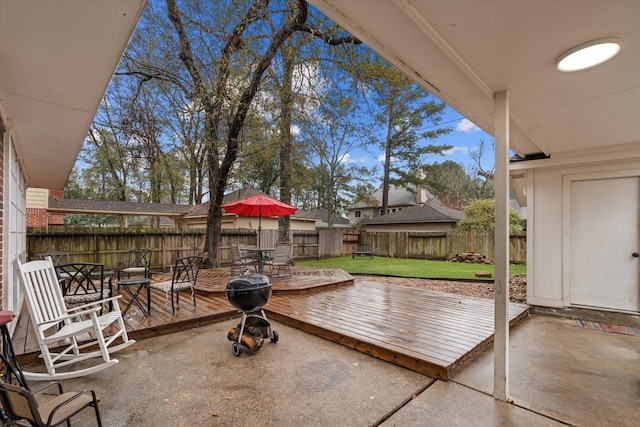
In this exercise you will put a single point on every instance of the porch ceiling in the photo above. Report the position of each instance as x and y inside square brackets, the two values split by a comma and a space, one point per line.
[464, 51]
[57, 58]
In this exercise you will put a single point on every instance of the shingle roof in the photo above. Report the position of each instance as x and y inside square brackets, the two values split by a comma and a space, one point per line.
[203, 208]
[323, 216]
[398, 196]
[244, 193]
[61, 204]
[430, 212]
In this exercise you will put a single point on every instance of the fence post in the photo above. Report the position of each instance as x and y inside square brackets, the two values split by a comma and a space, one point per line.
[96, 249]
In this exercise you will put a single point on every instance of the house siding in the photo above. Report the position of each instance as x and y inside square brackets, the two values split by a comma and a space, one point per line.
[547, 282]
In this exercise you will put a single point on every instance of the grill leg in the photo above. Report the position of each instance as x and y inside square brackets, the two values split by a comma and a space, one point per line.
[244, 319]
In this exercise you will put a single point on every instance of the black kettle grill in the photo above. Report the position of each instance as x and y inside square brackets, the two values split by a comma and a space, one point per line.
[250, 293]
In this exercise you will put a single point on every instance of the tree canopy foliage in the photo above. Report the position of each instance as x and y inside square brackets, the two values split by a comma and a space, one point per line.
[480, 216]
[214, 96]
[403, 107]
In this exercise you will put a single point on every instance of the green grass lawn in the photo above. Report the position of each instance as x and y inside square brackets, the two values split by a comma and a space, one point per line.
[408, 267]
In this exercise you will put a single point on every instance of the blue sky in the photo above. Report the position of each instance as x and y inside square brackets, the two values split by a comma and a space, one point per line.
[465, 137]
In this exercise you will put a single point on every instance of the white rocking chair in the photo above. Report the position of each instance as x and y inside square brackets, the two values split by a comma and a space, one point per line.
[59, 328]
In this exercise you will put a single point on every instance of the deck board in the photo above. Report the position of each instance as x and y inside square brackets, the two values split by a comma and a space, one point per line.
[428, 332]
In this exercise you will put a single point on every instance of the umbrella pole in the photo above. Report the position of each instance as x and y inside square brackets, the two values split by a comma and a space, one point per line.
[260, 228]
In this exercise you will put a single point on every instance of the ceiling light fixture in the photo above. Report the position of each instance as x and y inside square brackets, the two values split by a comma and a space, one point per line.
[589, 54]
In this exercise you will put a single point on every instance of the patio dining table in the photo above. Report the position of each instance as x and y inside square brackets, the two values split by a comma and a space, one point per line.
[260, 254]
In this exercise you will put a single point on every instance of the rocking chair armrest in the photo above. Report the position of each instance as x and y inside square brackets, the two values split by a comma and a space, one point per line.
[80, 310]
[59, 319]
[93, 305]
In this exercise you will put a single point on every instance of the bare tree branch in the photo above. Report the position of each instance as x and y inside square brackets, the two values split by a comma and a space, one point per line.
[327, 38]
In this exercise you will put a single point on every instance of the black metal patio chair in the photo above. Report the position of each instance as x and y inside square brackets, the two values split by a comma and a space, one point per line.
[185, 274]
[138, 262]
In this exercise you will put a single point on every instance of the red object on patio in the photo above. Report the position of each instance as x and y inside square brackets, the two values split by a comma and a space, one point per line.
[259, 206]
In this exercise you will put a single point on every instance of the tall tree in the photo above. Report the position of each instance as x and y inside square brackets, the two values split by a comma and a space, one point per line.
[485, 187]
[299, 83]
[185, 121]
[332, 131]
[215, 96]
[403, 109]
[449, 182]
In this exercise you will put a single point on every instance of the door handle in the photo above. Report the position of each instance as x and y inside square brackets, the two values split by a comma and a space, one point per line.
[635, 255]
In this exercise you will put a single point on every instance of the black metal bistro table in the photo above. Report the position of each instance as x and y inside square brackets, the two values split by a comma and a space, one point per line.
[261, 254]
[141, 283]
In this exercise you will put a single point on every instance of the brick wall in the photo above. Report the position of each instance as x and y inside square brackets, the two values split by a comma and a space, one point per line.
[39, 217]
[36, 217]
[56, 220]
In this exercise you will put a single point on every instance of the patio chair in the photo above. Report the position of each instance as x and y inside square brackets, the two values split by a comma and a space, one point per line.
[185, 274]
[84, 282]
[21, 404]
[58, 329]
[281, 259]
[240, 262]
[138, 262]
[58, 257]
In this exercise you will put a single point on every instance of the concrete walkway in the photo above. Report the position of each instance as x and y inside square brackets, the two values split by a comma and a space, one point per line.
[560, 374]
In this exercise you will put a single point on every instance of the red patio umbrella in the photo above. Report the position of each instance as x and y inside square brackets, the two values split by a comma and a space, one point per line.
[259, 206]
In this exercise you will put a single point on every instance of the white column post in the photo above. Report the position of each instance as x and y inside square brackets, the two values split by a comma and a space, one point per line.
[501, 284]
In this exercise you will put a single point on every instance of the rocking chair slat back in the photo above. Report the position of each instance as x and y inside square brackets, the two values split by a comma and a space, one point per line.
[43, 293]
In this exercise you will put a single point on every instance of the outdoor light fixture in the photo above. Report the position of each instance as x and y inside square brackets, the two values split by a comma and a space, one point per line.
[589, 54]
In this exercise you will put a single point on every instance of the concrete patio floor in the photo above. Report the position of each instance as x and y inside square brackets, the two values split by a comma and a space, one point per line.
[560, 375]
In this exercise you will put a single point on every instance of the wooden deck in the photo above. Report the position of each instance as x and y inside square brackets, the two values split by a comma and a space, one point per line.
[211, 306]
[428, 332]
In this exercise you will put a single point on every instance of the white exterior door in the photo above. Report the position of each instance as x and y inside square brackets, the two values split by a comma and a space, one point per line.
[604, 217]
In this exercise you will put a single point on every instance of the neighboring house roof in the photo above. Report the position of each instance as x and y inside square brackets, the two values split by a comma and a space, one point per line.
[430, 212]
[115, 207]
[323, 219]
[61, 204]
[244, 193]
[203, 208]
[145, 221]
[398, 196]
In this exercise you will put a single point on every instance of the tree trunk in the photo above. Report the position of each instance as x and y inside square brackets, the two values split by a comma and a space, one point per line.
[286, 100]
[387, 164]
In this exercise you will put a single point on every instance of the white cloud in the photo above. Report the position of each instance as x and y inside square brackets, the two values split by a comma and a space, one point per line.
[454, 150]
[466, 126]
[295, 130]
[381, 157]
[346, 159]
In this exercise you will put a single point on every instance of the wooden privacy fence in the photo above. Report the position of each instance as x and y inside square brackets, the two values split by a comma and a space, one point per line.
[109, 247]
[441, 245]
